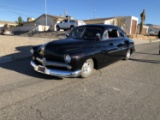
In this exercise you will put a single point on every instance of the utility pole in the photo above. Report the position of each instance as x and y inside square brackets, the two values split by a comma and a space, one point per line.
[65, 12]
[94, 9]
[46, 11]
[159, 41]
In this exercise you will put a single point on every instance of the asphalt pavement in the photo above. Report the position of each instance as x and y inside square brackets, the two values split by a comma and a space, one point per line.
[125, 90]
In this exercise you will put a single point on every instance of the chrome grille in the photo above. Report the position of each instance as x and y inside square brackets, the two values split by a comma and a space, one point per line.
[45, 62]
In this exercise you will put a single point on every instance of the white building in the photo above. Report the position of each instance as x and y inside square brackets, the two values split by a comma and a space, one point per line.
[40, 23]
[129, 23]
[41, 20]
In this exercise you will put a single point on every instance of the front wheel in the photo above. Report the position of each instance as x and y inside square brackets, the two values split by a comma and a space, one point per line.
[57, 28]
[128, 54]
[87, 68]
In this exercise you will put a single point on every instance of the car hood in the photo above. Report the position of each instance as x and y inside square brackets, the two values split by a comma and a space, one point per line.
[67, 45]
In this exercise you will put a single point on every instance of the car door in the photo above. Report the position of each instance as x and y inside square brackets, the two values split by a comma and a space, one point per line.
[61, 24]
[66, 25]
[122, 43]
[111, 46]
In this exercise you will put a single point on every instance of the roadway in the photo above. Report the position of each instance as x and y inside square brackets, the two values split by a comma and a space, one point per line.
[125, 90]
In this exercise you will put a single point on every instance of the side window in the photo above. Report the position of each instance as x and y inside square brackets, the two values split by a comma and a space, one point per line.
[113, 33]
[72, 21]
[65, 21]
[121, 33]
[105, 35]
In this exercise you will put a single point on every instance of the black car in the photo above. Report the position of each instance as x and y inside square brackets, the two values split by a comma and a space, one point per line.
[86, 48]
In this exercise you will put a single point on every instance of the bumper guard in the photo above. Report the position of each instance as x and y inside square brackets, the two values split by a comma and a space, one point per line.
[54, 72]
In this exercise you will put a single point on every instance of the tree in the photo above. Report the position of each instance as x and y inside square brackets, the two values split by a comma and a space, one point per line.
[120, 22]
[143, 17]
[20, 21]
[5, 27]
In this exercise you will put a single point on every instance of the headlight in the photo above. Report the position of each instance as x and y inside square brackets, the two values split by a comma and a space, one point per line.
[32, 51]
[67, 58]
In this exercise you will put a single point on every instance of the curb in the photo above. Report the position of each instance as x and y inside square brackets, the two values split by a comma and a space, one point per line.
[137, 41]
[154, 41]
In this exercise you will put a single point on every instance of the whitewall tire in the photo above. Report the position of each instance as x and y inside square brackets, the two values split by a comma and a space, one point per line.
[128, 54]
[87, 68]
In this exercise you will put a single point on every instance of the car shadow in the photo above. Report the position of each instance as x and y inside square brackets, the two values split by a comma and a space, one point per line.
[146, 61]
[21, 64]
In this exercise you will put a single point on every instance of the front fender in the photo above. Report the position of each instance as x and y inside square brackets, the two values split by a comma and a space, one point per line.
[80, 56]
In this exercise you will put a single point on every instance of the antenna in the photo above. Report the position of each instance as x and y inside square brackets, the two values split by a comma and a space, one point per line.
[65, 12]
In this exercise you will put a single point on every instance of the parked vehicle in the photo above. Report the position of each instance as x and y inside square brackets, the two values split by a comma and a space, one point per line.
[87, 48]
[69, 24]
[7, 32]
[151, 32]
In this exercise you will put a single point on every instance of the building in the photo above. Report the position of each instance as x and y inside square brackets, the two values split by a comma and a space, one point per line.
[41, 20]
[39, 24]
[110, 21]
[155, 28]
[127, 23]
[144, 30]
[29, 19]
[9, 23]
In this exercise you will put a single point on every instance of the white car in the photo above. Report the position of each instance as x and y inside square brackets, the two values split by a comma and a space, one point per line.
[68, 24]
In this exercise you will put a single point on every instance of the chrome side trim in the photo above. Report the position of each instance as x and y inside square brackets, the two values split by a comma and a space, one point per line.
[58, 73]
[51, 63]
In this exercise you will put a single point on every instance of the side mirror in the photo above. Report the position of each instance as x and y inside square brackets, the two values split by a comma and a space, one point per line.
[67, 35]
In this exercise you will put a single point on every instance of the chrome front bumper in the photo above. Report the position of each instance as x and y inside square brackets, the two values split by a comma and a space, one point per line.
[54, 72]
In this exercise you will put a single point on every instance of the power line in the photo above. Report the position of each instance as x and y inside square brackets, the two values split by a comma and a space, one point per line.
[10, 8]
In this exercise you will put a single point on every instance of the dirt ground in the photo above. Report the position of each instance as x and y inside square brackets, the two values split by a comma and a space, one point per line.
[14, 47]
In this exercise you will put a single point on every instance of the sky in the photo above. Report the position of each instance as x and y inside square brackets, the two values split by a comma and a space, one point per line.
[10, 10]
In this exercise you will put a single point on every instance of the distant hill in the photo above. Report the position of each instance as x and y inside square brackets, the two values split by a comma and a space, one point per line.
[151, 25]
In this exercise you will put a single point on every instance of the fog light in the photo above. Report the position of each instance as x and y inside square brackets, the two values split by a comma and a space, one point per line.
[67, 58]
[33, 58]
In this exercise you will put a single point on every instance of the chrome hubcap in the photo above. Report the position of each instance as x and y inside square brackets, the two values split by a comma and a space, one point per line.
[128, 53]
[87, 67]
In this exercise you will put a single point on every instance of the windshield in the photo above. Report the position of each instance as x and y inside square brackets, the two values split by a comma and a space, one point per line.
[86, 33]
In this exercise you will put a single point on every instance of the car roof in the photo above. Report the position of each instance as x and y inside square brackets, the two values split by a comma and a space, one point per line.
[103, 26]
